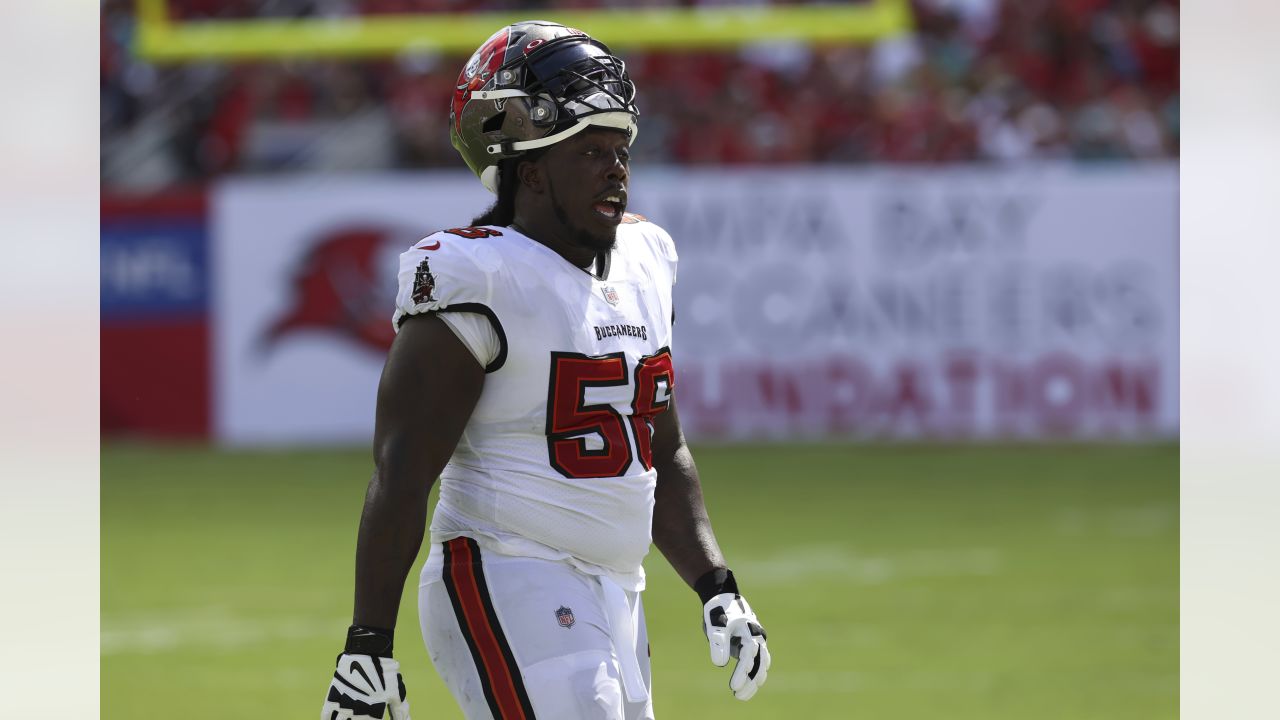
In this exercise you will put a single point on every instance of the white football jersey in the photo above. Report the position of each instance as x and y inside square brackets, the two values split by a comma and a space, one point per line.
[556, 460]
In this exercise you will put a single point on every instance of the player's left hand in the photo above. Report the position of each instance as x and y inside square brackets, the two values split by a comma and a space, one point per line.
[363, 688]
[733, 631]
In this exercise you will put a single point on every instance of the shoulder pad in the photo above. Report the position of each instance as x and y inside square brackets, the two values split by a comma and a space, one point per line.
[450, 267]
[652, 236]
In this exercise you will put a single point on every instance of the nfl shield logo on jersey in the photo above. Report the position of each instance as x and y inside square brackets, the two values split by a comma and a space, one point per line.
[610, 295]
[564, 616]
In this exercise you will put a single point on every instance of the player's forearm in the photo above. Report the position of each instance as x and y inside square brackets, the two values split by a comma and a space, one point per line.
[681, 527]
[392, 525]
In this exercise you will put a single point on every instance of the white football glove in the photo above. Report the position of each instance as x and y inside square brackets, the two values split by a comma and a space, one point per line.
[732, 630]
[363, 688]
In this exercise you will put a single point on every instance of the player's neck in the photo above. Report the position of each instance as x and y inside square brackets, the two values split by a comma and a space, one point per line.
[554, 237]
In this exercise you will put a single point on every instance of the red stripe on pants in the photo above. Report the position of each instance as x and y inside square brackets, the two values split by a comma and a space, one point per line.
[483, 630]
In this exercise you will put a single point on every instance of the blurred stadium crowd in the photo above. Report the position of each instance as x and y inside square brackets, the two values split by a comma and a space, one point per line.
[979, 80]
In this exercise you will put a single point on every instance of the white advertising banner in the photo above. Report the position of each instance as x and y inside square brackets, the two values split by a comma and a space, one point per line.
[811, 303]
[304, 277]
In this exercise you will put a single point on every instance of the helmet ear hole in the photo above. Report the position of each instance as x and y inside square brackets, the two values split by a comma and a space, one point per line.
[494, 123]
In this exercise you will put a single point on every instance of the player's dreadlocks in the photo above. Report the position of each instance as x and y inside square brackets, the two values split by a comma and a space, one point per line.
[503, 211]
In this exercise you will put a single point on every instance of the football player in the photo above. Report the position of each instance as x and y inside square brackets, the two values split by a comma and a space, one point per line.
[533, 373]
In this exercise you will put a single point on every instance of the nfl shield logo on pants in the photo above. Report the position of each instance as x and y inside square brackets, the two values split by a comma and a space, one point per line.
[564, 616]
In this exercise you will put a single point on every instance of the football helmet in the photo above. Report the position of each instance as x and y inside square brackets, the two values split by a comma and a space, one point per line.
[533, 84]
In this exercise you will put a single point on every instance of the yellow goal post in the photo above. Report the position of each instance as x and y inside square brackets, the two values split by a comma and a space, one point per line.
[162, 40]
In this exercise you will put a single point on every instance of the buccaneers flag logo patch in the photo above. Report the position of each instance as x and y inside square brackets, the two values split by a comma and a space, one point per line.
[423, 283]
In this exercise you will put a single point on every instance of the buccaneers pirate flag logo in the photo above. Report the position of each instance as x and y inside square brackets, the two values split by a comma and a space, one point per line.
[423, 283]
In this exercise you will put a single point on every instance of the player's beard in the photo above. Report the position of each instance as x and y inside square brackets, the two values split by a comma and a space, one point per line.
[599, 243]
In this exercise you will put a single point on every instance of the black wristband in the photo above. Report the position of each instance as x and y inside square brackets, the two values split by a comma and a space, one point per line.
[714, 583]
[365, 640]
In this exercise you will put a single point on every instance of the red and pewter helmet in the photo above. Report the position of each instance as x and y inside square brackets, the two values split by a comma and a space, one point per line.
[533, 84]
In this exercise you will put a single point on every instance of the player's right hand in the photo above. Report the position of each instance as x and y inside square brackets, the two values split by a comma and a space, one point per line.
[364, 687]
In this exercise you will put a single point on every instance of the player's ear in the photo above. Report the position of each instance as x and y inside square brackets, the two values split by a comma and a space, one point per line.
[530, 174]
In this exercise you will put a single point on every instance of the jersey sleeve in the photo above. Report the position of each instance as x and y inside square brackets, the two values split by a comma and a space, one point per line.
[443, 274]
[477, 333]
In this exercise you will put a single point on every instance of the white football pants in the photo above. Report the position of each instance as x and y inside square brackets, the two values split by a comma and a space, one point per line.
[519, 638]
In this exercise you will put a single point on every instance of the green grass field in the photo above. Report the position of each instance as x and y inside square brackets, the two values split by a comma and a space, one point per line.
[898, 582]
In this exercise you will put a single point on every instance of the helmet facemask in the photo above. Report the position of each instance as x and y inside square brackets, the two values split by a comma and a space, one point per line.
[582, 76]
